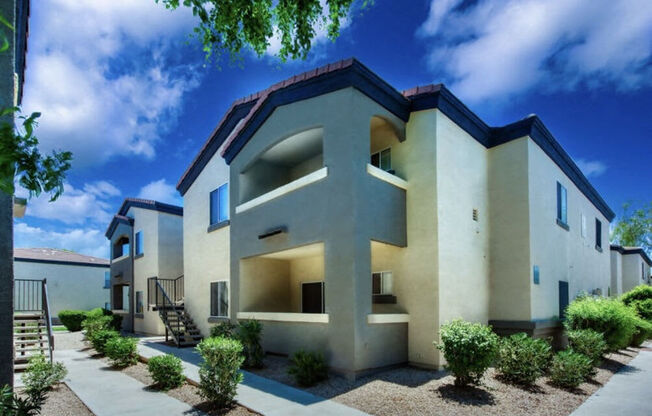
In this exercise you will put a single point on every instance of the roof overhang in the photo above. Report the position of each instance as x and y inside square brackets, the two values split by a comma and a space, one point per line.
[117, 220]
[632, 250]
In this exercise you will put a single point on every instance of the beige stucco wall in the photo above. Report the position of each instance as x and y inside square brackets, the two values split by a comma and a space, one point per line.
[509, 231]
[616, 273]
[561, 254]
[631, 273]
[69, 286]
[205, 254]
[303, 270]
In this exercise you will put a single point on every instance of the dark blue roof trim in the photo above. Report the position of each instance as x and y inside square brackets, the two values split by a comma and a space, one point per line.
[153, 205]
[63, 263]
[632, 250]
[216, 140]
[356, 75]
[118, 219]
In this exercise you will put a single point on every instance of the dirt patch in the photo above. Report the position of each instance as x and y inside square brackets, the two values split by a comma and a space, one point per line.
[61, 401]
[408, 390]
[186, 393]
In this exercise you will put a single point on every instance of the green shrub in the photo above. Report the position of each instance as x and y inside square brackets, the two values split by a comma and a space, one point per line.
[522, 359]
[611, 317]
[94, 324]
[249, 334]
[166, 370]
[641, 292]
[220, 372]
[122, 351]
[643, 332]
[13, 405]
[224, 329]
[643, 308]
[569, 369]
[308, 368]
[469, 350]
[72, 319]
[95, 313]
[588, 342]
[100, 337]
[40, 375]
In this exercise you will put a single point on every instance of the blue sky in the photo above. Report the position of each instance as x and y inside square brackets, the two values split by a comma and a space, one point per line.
[122, 85]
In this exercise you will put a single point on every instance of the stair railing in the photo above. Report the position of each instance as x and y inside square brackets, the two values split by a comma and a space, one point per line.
[48, 319]
[165, 305]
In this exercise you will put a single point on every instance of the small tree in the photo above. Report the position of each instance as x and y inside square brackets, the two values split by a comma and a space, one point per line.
[635, 228]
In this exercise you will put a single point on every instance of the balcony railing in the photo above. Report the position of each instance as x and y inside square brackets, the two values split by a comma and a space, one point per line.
[160, 291]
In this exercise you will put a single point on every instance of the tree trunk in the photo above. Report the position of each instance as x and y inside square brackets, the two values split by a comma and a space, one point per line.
[6, 290]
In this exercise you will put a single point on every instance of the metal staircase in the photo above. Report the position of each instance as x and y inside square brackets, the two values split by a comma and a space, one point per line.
[166, 297]
[32, 323]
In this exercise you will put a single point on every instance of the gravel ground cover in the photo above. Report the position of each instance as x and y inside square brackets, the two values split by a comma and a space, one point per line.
[69, 341]
[61, 401]
[414, 391]
[186, 393]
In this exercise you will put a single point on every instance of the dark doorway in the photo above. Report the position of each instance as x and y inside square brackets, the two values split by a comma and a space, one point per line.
[563, 299]
[312, 297]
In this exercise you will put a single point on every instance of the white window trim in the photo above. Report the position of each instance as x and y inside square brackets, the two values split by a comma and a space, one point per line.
[323, 295]
[378, 153]
[228, 205]
[381, 282]
[228, 312]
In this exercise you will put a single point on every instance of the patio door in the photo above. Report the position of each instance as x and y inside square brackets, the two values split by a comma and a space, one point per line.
[312, 297]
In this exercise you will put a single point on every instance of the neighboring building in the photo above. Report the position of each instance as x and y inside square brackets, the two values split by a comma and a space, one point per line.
[74, 281]
[355, 219]
[146, 244]
[630, 267]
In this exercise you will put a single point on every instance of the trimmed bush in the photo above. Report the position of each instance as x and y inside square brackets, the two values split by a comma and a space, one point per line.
[569, 369]
[122, 351]
[219, 373]
[40, 375]
[641, 292]
[469, 350]
[94, 324]
[611, 317]
[72, 319]
[249, 334]
[308, 368]
[100, 337]
[643, 332]
[643, 308]
[224, 329]
[166, 371]
[588, 342]
[522, 359]
[95, 313]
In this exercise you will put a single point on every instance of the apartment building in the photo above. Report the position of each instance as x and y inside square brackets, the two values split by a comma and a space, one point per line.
[355, 219]
[630, 267]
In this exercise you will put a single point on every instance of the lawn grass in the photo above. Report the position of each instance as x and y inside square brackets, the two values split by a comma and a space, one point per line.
[59, 328]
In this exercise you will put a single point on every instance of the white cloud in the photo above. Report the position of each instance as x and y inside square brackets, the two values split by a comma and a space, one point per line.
[161, 191]
[91, 242]
[75, 206]
[498, 48]
[591, 168]
[104, 75]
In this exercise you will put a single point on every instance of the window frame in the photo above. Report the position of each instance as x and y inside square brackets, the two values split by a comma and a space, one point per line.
[382, 273]
[379, 153]
[139, 243]
[323, 295]
[210, 206]
[140, 306]
[210, 299]
[598, 235]
[562, 206]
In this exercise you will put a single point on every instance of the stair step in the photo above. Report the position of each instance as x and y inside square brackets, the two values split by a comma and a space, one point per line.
[29, 335]
[27, 316]
[29, 328]
[27, 349]
[20, 367]
[31, 341]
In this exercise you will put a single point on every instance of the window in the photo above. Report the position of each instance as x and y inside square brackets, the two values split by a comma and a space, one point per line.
[139, 243]
[562, 217]
[643, 271]
[220, 299]
[382, 159]
[107, 279]
[312, 297]
[598, 234]
[219, 204]
[381, 283]
[139, 302]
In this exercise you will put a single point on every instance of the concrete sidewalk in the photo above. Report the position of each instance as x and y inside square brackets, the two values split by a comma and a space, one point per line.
[626, 393]
[259, 394]
[107, 392]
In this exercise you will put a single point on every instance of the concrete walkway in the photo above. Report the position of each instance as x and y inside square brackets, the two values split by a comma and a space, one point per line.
[626, 393]
[259, 394]
[107, 392]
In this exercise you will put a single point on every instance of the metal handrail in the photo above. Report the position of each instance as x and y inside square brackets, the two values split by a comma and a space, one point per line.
[48, 318]
[165, 310]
